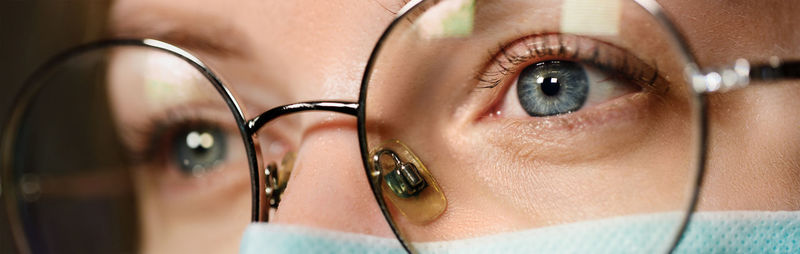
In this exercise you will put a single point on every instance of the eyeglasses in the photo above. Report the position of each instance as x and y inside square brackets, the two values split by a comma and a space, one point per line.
[474, 118]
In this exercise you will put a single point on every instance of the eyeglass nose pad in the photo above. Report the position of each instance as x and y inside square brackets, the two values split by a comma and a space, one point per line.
[278, 177]
[407, 183]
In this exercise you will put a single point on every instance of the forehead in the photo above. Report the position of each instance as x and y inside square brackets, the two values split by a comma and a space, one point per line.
[303, 49]
[259, 22]
[718, 30]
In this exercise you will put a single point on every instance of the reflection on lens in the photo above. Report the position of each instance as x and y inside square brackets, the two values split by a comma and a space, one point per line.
[558, 135]
[126, 149]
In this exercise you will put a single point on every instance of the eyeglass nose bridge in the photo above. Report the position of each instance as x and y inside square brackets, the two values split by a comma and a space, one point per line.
[349, 108]
[268, 185]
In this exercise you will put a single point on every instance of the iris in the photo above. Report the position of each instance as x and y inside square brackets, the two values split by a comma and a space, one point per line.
[552, 87]
[197, 150]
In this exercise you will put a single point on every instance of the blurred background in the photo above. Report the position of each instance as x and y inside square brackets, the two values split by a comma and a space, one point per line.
[30, 33]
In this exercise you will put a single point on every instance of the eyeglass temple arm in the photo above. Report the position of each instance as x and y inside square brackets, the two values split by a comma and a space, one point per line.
[786, 70]
[350, 108]
[742, 74]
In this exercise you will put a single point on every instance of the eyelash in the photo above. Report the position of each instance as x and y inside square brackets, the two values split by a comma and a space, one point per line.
[507, 61]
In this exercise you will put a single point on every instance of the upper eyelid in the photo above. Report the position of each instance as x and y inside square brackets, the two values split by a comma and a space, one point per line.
[496, 56]
[153, 127]
[602, 54]
[156, 126]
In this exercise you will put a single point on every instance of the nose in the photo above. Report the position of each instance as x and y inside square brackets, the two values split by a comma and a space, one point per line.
[328, 187]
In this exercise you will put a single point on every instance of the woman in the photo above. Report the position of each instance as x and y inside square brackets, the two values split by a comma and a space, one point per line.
[624, 144]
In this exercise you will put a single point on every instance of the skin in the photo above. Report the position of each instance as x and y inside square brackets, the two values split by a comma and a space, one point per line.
[273, 53]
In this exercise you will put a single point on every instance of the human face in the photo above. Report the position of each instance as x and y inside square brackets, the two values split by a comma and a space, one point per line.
[274, 53]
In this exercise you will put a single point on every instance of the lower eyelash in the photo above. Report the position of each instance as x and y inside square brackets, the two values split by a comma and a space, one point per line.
[509, 59]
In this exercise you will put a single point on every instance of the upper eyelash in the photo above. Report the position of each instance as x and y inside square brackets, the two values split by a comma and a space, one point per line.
[153, 130]
[501, 57]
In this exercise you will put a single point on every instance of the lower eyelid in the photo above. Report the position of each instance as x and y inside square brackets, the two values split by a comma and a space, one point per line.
[551, 135]
[172, 185]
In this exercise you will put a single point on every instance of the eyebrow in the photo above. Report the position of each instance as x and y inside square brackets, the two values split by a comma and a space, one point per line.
[195, 32]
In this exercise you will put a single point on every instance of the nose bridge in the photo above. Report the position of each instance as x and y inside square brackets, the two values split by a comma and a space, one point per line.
[327, 188]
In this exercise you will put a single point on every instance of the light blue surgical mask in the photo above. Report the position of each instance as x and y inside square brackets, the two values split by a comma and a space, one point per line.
[708, 232]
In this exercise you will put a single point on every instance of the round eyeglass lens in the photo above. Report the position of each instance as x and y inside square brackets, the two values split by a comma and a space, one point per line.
[137, 139]
[554, 126]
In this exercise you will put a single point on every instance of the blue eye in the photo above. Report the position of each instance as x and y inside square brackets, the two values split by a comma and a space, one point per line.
[198, 150]
[552, 87]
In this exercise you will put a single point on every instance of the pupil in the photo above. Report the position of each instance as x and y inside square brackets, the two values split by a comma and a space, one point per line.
[550, 86]
[199, 149]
